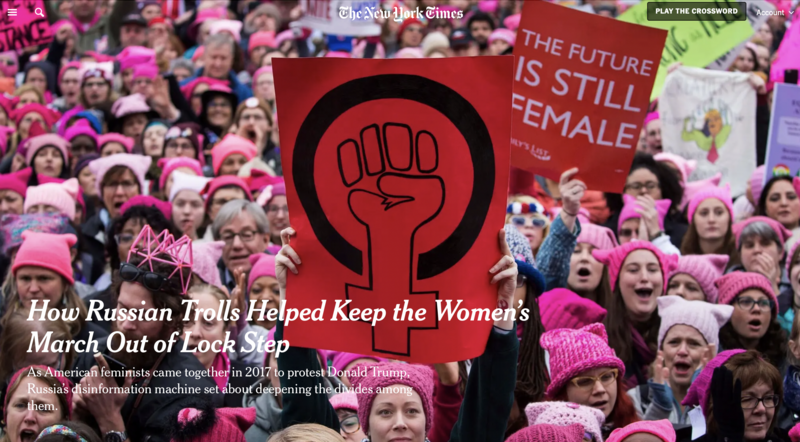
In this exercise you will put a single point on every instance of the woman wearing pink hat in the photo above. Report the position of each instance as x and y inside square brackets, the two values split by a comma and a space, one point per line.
[637, 275]
[52, 404]
[264, 84]
[760, 241]
[114, 143]
[780, 202]
[642, 218]
[96, 84]
[231, 153]
[346, 407]
[47, 154]
[694, 277]
[53, 198]
[585, 371]
[591, 420]
[687, 339]
[710, 214]
[13, 188]
[754, 324]
[646, 431]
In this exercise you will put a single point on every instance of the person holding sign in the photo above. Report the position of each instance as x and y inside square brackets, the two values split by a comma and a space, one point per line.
[403, 410]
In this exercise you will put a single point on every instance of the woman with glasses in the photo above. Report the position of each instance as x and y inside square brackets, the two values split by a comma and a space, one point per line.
[687, 339]
[584, 370]
[637, 275]
[710, 215]
[530, 218]
[184, 140]
[346, 407]
[96, 85]
[218, 192]
[754, 324]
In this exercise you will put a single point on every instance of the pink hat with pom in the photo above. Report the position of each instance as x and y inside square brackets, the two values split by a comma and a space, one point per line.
[506, 35]
[704, 317]
[614, 258]
[230, 145]
[17, 181]
[206, 256]
[629, 210]
[573, 352]
[346, 400]
[418, 377]
[549, 433]
[685, 167]
[261, 265]
[662, 429]
[782, 232]
[138, 164]
[734, 283]
[168, 165]
[757, 182]
[62, 196]
[562, 308]
[113, 137]
[232, 27]
[48, 251]
[698, 393]
[597, 236]
[34, 144]
[721, 193]
[567, 413]
[705, 269]
[132, 104]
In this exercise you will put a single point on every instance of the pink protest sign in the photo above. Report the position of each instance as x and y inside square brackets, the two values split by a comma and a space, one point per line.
[787, 56]
[23, 23]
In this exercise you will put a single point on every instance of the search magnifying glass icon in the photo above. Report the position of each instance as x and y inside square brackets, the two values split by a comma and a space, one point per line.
[39, 12]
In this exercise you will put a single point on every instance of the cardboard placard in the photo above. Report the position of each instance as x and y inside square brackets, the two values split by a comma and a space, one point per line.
[580, 93]
[396, 173]
[783, 146]
[23, 23]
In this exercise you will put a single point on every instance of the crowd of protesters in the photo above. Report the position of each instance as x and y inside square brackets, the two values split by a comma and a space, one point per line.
[148, 128]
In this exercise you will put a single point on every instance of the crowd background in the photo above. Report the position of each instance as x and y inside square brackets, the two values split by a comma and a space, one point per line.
[665, 310]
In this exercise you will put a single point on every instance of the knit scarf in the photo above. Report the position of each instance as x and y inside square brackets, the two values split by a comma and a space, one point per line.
[83, 27]
[791, 389]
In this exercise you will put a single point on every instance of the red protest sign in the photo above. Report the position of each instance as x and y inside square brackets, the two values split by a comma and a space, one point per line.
[580, 93]
[396, 174]
[23, 23]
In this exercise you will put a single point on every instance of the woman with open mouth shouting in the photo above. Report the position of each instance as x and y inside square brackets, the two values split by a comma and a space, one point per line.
[50, 395]
[637, 275]
[584, 370]
[588, 277]
[754, 324]
[687, 339]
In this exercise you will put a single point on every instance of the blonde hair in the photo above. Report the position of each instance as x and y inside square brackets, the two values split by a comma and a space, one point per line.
[201, 287]
[69, 300]
[28, 87]
[306, 433]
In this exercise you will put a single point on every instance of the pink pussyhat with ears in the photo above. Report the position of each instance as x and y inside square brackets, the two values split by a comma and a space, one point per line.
[138, 164]
[597, 236]
[662, 429]
[113, 137]
[705, 269]
[562, 308]
[177, 254]
[206, 256]
[232, 27]
[629, 210]
[684, 166]
[62, 196]
[782, 232]
[693, 187]
[168, 165]
[734, 283]
[46, 250]
[723, 194]
[214, 424]
[566, 413]
[614, 258]
[702, 316]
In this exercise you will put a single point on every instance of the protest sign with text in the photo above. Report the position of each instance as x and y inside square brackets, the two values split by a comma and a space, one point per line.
[580, 93]
[783, 145]
[23, 23]
[396, 172]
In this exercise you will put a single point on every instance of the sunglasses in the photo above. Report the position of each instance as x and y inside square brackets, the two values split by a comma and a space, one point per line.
[520, 221]
[151, 281]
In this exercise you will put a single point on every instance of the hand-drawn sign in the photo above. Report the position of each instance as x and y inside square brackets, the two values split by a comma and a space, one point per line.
[23, 23]
[404, 171]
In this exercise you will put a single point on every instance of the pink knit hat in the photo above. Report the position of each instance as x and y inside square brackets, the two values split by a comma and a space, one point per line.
[650, 117]
[705, 269]
[733, 283]
[567, 413]
[138, 164]
[261, 70]
[346, 400]
[685, 167]
[262, 265]
[662, 429]
[562, 308]
[66, 386]
[694, 187]
[104, 70]
[794, 433]
[418, 377]
[783, 232]
[262, 38]
[757, 182]
[698, 393]
[506, 35]
[148, 201]
[147, 70]
[34, 144]
[704, 317]
[48, 115]
[133, 56]
[721, 193]
[188, 89]
[573, 352]
[48, 251]
[81, 127]
[168, 165]
[17, 181]
[548, 433]
[598, 236]
[629, 210]
[512, 21]
[206, 256]
[129, 105]
[113, 137]
[229, 425]
[62, 196]
[66, 67]
[232, 27]
[230, 145]
[224, 181]
[614, 258]
[184, 181]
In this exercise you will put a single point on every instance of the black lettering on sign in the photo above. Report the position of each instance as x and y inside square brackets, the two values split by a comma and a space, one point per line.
[18, 36]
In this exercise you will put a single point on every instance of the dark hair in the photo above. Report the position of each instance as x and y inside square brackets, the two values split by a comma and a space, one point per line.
[756, 66]
[602, 294]
[623, 413]
[772, 345]
[618, 326]
[81, 429]
[691, 244]
[762, 200]
[667, 180]
[66, 171]
[481, 16]
[148, 215]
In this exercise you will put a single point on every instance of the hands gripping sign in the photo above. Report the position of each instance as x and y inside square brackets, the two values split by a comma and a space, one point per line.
[396, 173]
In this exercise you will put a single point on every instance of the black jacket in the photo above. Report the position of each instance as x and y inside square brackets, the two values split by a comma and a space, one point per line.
[91, 231]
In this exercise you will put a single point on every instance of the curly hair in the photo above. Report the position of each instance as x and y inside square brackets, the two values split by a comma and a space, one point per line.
[772, 345]
[668, 182]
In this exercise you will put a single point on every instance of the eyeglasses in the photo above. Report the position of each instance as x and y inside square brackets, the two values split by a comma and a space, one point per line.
[123, 238]
[350, 425]
[747, 303]
[588, 382]
[245, 235]
[521, 280]
[750, 402]
[126, 185]
[151, 281]
[650, 185]
[520, 221]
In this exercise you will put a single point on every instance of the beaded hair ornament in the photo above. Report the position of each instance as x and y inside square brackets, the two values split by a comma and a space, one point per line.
[178, 253]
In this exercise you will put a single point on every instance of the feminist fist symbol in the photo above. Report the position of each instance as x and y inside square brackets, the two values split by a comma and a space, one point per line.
[406, 200]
